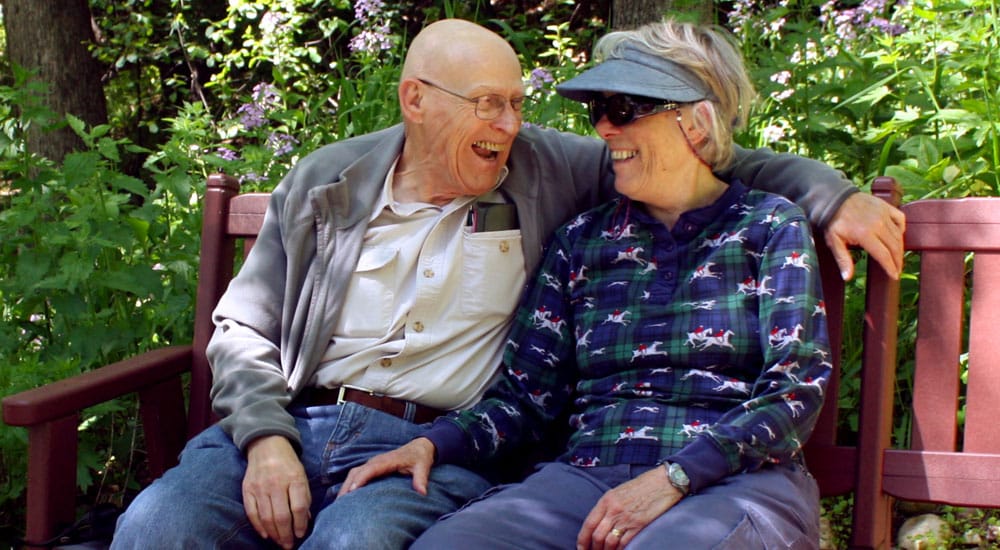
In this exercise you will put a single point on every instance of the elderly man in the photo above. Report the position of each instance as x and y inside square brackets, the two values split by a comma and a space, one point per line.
[379, 294]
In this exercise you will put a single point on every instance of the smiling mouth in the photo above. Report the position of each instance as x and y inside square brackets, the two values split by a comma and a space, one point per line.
[487, 149]
[623, 155]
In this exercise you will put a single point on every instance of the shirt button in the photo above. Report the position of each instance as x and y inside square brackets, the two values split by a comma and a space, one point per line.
[504, 247]
[418, 326]
[668, 275]
[385, 362]
[428, 273]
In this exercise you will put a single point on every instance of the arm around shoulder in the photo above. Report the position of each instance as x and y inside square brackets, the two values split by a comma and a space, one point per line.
[816, 187]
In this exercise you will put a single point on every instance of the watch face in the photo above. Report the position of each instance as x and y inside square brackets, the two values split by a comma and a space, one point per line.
[678, 477]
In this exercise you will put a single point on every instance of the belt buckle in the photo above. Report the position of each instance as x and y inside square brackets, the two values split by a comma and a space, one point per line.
[342, 392]
[340, 395]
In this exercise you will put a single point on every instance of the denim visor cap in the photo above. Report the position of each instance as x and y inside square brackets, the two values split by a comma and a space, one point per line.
[636, 71]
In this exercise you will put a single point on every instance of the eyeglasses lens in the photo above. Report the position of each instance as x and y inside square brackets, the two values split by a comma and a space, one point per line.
[489, 107]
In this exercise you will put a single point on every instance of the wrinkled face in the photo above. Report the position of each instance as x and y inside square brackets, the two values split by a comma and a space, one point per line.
[645, 152]
[473, 148]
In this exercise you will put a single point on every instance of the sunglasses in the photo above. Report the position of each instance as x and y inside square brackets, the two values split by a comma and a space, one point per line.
[622, 109]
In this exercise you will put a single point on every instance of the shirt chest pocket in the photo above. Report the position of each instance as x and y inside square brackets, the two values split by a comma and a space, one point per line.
[370, 295]
[493, 273]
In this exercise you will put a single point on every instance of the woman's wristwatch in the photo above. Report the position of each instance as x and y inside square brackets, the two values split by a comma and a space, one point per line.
[678, 477]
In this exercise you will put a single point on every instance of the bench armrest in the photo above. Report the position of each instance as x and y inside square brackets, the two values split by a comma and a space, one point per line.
[51, 414]
[73, 394]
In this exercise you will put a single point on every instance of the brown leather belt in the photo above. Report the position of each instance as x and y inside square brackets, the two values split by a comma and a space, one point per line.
[407, 410]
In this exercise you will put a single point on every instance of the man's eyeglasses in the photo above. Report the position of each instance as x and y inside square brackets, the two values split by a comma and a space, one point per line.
[624, 108]
[489, 106]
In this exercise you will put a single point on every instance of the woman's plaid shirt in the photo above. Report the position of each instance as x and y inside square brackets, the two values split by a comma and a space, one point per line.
[705, 344]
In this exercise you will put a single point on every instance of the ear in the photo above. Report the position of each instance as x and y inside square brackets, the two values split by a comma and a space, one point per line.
[410, 100]
[701, 121]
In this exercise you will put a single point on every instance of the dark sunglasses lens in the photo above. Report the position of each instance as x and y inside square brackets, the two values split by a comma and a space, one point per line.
[597, 106]
[621, 109]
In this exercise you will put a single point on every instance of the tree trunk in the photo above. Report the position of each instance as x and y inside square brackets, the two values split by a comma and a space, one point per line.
[629, 14]
[50, 37]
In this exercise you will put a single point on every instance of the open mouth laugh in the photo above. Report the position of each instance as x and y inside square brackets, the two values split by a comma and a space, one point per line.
[487, 150]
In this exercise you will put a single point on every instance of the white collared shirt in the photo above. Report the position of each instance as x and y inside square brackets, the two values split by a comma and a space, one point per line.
[428, 308]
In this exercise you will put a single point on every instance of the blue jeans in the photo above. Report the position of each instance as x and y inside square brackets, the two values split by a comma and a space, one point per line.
[199, 503]
[775, 508]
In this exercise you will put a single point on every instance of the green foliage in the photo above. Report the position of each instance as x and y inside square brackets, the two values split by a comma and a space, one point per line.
[906, 89]
[971, 524]
[836, 512]
[95, 265]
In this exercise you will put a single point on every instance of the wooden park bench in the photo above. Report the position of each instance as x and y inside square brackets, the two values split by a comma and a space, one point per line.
[231, 221]
[948, 461]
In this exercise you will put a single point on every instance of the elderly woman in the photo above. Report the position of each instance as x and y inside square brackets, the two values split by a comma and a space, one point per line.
[680, 327]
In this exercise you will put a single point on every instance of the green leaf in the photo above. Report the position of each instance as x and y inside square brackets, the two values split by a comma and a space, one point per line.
[108, 149]
[32, 266]
[130, 184]
[80, 167]
[923, 149]
[137, 280]
[78, 126]
[140, 227]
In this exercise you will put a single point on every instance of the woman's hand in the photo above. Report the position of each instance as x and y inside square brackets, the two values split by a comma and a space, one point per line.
[625, 510]
[415, 458]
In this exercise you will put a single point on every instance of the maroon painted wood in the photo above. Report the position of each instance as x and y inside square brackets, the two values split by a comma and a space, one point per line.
[946, 462]
[833, 462]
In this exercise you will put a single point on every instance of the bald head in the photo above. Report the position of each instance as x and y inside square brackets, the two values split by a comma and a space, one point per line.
[455, 50]
[453, 70]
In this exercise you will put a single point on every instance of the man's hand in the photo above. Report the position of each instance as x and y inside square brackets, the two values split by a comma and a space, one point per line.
[415, 458]
[871, 223]
[625, 510]
[275, 491]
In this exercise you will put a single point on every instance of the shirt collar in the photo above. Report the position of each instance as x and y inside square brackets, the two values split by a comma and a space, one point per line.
[700, 217]
[386, 199]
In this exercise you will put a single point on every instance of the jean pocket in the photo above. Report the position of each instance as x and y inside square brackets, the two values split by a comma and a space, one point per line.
[361, 433]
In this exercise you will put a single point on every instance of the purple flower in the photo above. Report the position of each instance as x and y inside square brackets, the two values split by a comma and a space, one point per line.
[368, 9]
[225, 153]
[740, 15]
[251, 115]
[372, 40]
[539, 78]
[868, 15]
[252, 177]
[281, 143]
[265, 98]
[374, 23]
[265, 94]
[884, 25]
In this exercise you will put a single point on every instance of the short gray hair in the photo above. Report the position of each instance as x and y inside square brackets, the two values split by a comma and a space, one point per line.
[710, 53]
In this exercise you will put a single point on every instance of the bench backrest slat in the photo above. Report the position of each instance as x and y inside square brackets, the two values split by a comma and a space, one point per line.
[952, 458]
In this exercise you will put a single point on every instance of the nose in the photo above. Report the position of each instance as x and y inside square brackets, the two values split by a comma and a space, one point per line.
[509, 120]
[605, 129]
